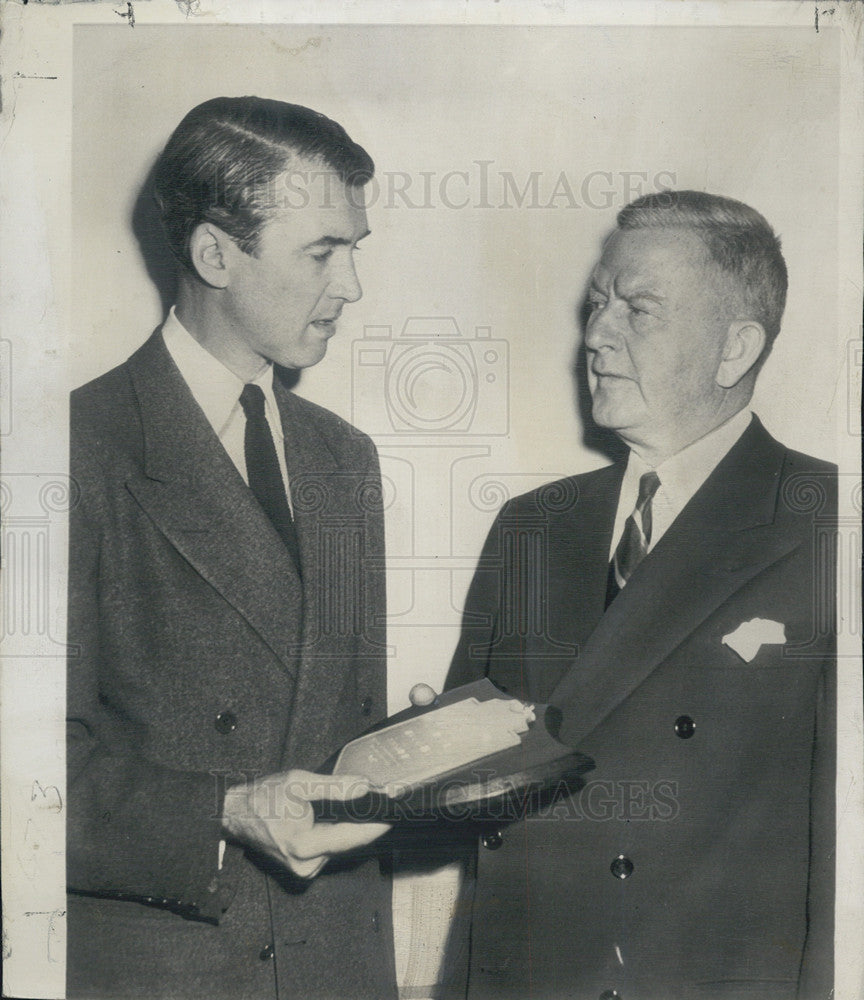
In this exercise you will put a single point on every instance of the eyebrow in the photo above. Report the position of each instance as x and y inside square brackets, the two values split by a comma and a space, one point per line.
[336, 241]
[641, 293]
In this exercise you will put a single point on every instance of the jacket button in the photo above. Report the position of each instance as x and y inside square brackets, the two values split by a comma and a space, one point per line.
[266, 952]
[376, 921]
[684, 727]
[621, 867]
[225, 722]
[492, 841]
[366, 706]
[611, 995]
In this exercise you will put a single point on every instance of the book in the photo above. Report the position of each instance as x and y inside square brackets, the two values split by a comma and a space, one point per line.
[476, 753]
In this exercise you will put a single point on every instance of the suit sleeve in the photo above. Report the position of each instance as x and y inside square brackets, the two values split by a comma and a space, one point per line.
[816, 980]
[817, 969]
[135, 829]
[472, 657]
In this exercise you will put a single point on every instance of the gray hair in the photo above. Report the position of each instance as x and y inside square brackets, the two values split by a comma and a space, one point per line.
[738, 239]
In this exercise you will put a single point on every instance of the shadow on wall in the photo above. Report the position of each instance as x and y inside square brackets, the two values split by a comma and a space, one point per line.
[158, 259]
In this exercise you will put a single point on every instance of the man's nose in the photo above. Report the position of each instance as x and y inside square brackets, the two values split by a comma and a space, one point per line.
[345, 284]
[601, 330]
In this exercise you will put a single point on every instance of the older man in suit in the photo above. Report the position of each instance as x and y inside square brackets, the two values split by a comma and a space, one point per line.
[226, 596]
[693, 583]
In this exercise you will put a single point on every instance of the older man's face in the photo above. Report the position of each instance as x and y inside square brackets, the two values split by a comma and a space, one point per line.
[654, 340]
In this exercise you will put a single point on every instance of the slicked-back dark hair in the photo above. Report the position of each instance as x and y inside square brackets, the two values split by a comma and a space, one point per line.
[221, 162]
[738, 239]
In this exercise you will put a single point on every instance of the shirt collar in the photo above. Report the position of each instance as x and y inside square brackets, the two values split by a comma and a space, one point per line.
[685, 472]
[216, 388]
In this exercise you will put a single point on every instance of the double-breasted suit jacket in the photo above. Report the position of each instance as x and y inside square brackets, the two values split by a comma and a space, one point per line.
[200, 657]
[697, 861]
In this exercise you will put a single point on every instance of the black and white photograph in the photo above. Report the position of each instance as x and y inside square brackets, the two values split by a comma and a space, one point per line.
[431, 501]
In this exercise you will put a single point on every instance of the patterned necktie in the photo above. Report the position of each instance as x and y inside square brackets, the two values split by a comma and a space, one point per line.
[262, 468]
[633, 546]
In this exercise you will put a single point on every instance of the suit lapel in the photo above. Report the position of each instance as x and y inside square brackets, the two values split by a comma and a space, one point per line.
[586, 548]
[313, 475]
[722, 539]
[195, 496]
[337, 664]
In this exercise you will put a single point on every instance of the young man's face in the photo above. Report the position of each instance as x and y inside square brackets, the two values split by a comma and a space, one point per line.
[282, 303]
[654, 339]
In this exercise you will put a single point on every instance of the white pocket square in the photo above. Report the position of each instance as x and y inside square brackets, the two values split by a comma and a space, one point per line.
[750, 636]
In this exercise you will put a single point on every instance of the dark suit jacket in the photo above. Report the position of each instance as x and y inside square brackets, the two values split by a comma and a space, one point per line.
[698, 859]
[200, 657]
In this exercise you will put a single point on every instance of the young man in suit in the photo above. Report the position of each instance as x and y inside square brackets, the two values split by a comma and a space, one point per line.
[693, 583]
[226, 596]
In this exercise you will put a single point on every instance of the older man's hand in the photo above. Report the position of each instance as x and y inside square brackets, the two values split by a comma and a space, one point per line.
[274, 815]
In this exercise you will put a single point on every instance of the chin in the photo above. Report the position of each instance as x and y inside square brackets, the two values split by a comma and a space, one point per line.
[614, 413]
[605, 416]
[305, 360]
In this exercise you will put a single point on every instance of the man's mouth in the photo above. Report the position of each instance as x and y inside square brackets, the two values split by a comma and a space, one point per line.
[325, 325]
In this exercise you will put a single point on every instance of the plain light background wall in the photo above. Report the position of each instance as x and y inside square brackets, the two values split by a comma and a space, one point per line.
[750, 111]
[545, 133]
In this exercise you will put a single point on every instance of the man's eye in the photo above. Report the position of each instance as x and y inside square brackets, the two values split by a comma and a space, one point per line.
[595, 302]
[323, 255]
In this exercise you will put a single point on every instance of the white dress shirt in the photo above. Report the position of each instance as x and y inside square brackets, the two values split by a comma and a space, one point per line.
[680, 477]
[217, 391]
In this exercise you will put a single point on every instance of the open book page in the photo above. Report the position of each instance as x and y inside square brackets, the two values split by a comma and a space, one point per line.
[437, 742]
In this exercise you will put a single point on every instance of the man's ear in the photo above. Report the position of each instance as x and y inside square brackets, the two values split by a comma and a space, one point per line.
[210, 249]
[745, 341]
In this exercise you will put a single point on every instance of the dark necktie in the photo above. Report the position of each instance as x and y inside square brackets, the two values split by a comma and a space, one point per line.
[262, 468]
[635, 539]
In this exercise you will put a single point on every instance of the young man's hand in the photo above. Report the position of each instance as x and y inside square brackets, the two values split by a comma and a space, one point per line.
[274, 815]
